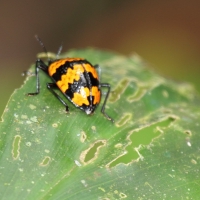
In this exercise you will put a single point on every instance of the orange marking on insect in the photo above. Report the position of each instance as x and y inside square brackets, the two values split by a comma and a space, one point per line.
[73, 59]
[91, 69]
[71, 76]
[55, 65]
[78, 68]
[62, 85]
[96, 94]
[81, 98]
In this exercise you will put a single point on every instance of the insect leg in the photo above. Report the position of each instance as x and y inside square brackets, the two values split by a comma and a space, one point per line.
[38, 65]
[104, 103]
[51, 87]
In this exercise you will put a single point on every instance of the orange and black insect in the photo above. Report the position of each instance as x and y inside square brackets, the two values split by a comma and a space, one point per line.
[77, 79]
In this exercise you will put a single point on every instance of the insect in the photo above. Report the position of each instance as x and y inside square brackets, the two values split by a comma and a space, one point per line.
[76, 78]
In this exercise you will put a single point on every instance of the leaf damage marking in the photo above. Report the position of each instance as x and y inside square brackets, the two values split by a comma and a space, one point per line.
[119, 145]
[34, 119]
[188, 142]
[188, 132]
[102, 189]
[84, 183]
[120, 88]
[24, 117]
[48, 55]
[124, 119]
[143, 88]
[193, 161]
[139, 93]
[146, 183]
[141, 138]
[28, 144]
[77, 163]
[45, 161]
[122, 195]
[32, 107]
[92, 152]
[54, 125]
[187, 90]
[165, 93]
[93, 128]
[16, 147]
[83, 136]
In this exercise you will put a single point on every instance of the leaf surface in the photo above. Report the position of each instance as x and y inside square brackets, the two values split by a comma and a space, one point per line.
[150, 152]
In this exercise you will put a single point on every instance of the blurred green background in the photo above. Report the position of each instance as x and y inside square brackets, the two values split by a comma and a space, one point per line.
[165, 33]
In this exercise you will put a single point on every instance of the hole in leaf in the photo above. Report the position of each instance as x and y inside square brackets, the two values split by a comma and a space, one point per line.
[91, 153]
[141, 137]
[46, 161]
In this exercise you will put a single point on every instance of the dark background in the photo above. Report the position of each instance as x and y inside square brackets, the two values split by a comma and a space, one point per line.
[164, 33]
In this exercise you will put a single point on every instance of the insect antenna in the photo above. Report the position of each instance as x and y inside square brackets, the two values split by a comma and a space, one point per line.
[44, 48]
[59, 51]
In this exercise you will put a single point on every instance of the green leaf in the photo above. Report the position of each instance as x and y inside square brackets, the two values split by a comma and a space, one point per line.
[150, 152]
